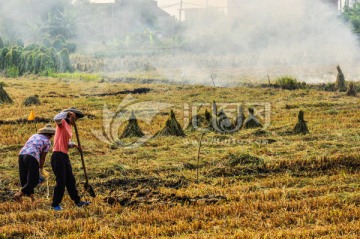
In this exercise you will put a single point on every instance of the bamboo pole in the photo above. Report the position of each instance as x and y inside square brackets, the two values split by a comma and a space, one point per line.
[198, 159]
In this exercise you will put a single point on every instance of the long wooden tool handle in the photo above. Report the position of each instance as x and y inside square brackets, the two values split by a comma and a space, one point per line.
[198, 158]
[81, 154]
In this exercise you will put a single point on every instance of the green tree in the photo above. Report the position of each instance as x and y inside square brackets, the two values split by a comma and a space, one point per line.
[1, 43]
[33, 20]
[352, 15]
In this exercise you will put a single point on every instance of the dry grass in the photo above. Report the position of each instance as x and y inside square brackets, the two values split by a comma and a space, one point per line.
[305, 186]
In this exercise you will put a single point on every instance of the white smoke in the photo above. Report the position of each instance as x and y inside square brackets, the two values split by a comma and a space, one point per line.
[304, 38]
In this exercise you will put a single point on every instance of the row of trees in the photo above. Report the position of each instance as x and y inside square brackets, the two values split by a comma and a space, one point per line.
[35, 36]
[16, 60]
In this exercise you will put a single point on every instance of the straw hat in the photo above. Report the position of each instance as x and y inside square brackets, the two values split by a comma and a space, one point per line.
[48, 129]
[79, 114]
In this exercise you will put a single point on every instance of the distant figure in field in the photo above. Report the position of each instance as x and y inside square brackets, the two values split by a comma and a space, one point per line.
[31, 161]
[60, 161]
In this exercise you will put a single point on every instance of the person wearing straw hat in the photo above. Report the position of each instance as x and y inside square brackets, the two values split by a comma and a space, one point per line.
[31, 161]
[60, 161]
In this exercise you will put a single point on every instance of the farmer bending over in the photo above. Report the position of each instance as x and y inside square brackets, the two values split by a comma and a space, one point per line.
[31, 161]
[60, 162]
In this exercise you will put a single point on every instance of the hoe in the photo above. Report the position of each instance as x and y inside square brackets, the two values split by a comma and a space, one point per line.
[88, 188]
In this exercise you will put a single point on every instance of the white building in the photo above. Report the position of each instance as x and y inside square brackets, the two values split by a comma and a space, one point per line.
[343, 3]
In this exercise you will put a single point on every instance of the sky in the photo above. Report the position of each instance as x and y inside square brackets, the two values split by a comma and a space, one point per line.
[173, 6]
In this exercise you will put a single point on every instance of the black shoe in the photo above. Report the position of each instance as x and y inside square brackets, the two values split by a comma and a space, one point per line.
[82, 204]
